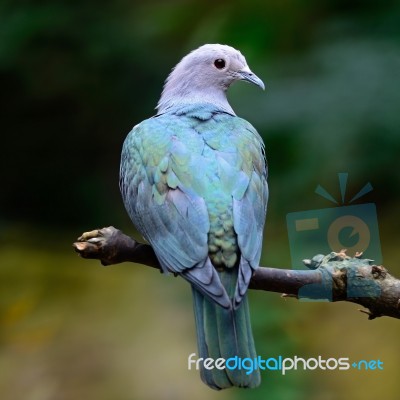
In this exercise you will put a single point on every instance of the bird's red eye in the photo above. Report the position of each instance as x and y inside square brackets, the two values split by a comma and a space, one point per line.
[219, 63]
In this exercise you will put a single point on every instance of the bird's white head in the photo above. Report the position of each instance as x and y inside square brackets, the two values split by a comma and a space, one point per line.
[204, 75]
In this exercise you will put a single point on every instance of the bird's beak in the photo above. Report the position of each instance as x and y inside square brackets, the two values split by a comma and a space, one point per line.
[246, 75]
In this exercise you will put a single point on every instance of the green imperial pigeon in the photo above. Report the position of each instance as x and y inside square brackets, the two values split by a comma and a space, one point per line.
[194, 182]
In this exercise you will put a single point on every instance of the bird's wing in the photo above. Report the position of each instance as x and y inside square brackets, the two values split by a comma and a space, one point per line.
[242, 171]
[160, 191]
[165, 183]
[250, 208]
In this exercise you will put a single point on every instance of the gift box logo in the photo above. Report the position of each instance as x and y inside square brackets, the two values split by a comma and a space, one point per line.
[345, 226]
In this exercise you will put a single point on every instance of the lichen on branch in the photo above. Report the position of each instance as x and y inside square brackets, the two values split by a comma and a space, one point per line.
[334, 277]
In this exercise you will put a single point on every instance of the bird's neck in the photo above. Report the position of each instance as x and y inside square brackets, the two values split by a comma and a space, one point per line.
[179, 94]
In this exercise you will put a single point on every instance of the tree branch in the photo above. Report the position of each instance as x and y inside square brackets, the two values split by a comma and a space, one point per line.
[335, 277]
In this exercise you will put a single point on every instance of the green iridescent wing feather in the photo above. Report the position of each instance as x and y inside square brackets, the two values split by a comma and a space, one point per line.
[194, 183]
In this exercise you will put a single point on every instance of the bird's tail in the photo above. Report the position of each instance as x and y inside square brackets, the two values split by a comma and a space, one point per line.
[225, 333]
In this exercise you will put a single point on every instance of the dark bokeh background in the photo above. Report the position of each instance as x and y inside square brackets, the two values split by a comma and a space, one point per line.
[75, 77]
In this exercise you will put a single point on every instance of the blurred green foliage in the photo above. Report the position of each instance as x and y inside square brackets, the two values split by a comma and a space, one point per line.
[75, 77]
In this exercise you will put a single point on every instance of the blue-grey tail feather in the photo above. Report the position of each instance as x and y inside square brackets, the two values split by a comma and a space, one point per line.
[224, 333]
